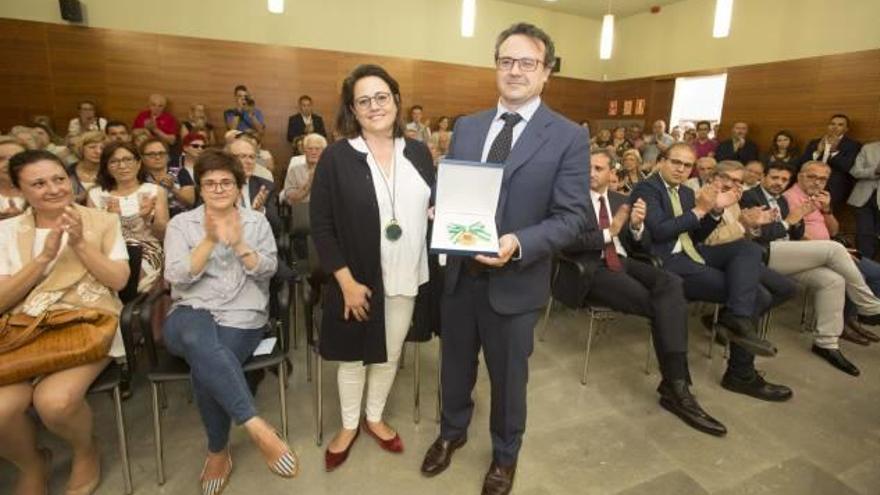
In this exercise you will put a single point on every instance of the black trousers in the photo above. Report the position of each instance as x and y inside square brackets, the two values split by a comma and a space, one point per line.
[470, 324]
[644, 290]
[867, 227]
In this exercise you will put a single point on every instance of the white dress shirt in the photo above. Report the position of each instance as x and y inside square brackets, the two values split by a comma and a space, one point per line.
[606, 233]
[526, 111]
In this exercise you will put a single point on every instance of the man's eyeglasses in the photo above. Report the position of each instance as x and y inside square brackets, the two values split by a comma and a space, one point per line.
[155, 154]
[382, 99]
[223, 185]
[117, 162]
[525, 64]
[816, 178]
[676, 163]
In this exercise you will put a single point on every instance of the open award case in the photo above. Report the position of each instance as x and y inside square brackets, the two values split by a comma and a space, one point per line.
[464, 211]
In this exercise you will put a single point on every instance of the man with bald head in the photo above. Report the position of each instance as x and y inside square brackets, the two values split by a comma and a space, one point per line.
[158, 121]
[657, 143]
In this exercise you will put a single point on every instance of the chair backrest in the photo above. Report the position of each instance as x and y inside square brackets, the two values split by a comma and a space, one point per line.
[135, 254]
[299, 220]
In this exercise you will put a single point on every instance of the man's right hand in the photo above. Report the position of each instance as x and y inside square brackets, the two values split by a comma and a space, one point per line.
[706, 197]
[621, 217]
[797, 214]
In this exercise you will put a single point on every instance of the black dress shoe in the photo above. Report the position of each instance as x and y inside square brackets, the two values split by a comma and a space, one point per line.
[870, 319]
[499, 479]
[836, 358]
[439, 455]
[676, 397]
[741, 331]
[756, 387]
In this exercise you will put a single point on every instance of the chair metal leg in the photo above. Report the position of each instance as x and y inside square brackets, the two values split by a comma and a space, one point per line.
[309, 352]
[714, 332]
[291, 316]
[319, 401]
[543, 333]
[401, 363]
[282, 395]
[589, 345]
[123, 440]
[417, 382]
[439, 382]
[649, 353]
[155, 389]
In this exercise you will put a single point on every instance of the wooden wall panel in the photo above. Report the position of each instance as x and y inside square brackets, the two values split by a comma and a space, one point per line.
[50, 67]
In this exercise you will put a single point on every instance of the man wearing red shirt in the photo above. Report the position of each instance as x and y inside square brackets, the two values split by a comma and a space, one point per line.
[155, 119]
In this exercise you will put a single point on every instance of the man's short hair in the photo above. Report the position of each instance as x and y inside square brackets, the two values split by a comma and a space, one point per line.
[533, 32]
[725, 166]
[240, 87]
[759, 162]
[676, 145]
[780, 166]
[814, 163]
[115, 123]
[416, 107]
[316, 138]
[840, 116]
[304, 98]
[87, 102]
[706, 123]
[606, 154]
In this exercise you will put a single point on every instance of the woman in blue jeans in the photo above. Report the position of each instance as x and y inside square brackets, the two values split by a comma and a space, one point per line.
[219, 260]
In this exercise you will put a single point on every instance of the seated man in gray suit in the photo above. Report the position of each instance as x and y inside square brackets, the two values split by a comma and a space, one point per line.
[864, 197]
[493, 303]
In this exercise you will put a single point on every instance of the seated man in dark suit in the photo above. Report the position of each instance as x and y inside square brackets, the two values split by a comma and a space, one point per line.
[677, 222]
[634, 287]
[823, 266]
[258, 193]
[305, 122]
[839, 151]
[738, 147]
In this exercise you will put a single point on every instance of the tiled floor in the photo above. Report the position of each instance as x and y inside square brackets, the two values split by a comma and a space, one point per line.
[608, 437]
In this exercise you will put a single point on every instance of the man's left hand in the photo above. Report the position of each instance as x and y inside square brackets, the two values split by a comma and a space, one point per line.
[508, 244]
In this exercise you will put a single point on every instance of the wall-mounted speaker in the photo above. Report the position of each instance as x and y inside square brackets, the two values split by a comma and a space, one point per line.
[71, 10]
[558, 65]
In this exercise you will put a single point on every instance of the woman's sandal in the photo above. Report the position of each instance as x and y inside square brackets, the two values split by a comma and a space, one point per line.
[287, 465]
[215, 486]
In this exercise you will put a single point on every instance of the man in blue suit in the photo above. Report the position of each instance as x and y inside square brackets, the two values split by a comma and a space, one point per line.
[493, 302]
[678, 221]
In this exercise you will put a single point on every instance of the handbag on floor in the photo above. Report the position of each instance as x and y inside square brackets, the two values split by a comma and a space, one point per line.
[53, 341]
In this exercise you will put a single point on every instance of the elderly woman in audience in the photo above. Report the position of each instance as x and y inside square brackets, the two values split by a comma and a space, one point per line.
[219, 261]
[369, 220]
[88, 148]
[619, 141]
[39, 251]
[154, 157]
[142, 206]
[631, 173]
[258, 194]
[783, 150]
[301, 172]
[86, 120]
[12, 201]
[442, 135]
[197, 121]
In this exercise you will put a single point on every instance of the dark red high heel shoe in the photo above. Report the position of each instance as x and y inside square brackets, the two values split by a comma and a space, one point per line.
[333, 460]
[394, 445]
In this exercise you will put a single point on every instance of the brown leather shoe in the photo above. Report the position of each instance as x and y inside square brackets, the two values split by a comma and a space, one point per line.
[499, 479]
[850, 334]
[864, 332]
[439, 455]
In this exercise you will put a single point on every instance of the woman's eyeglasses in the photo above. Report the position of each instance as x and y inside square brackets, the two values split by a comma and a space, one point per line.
[223, 185]
[381, 99]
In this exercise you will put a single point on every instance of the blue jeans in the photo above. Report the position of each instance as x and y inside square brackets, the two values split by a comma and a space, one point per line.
[215, 354]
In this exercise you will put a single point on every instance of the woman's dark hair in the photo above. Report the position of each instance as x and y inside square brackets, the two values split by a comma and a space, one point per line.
[792, 147]
[346, 120]
[104, 178]
[533, 32]
[437, 122]
[22, 159]
[211, 160]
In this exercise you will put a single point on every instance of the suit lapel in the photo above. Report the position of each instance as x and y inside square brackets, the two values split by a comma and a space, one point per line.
[532, 138]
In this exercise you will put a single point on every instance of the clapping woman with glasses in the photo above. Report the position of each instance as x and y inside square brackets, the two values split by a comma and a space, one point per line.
[219, 261]
[369, 219]
[142, 206]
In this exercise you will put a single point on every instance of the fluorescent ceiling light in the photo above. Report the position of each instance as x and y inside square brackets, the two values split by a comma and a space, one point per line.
[276, 6]
[607, 40]
[723, 13]
[468, 17]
